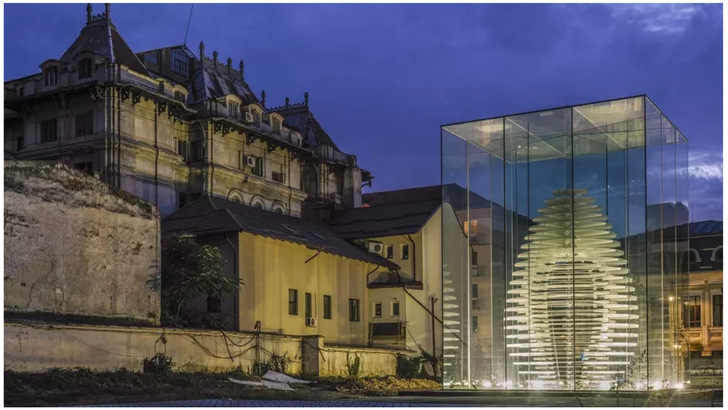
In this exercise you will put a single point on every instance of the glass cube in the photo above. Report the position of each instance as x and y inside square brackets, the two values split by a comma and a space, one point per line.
[565, 249]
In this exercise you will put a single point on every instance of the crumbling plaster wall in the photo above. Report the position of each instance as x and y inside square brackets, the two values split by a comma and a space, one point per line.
[75, 245]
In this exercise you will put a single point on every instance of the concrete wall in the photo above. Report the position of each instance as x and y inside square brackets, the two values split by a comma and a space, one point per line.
[74, 245]
[38, 347]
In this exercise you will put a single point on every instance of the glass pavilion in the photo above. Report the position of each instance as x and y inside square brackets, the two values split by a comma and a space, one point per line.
[566, 267]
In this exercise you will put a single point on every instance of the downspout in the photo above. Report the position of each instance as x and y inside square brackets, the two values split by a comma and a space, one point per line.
[237, 278]
[311, 258]
[118, 122]
[156, 156]
[414, 258]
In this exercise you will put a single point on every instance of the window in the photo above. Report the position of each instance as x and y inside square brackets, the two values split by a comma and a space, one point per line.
[474, 258]
[150, 58]
[405, 251]
[694, 256]
[196, 148]
[84, 123]
[327, 306]
[292, 302]
[279, 176]
[474, 291]
[180, 96]
[276, 125]
[717, 310]
[183, 148]
[258, 169]
[49, 130]
[390, 251]
[19, 143]
[213, 304]
[233, 109]
[692, 312]
[473, 226]
[377, 310]
[84, 68]
[474, 324]
[307, 303]
[182, 199]
[50, 75]
[87, 167]
[395, 309]
[180, 62]
[353, 310]
[717, 254]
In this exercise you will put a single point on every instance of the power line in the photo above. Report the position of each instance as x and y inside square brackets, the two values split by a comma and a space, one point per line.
[188, 23]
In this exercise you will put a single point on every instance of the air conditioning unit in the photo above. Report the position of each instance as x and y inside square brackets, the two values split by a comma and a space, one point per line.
[375, 247]
[311, 321]
[249, 161]
[248, 116]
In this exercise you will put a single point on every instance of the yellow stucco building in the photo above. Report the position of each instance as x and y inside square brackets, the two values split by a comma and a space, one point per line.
[299, 278]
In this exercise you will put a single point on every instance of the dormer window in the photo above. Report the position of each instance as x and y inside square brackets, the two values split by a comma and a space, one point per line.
[233, 109]
[84, 68]
[276, 125]
[50, 75]
[180, 62]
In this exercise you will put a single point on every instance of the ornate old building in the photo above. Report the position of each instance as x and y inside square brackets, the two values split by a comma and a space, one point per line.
[170, 126]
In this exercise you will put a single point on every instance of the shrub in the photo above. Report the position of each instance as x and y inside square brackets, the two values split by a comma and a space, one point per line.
[160, 363]
[409, 367]
[353, 367]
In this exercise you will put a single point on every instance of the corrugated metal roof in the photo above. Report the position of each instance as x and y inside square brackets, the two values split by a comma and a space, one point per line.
[207, 216]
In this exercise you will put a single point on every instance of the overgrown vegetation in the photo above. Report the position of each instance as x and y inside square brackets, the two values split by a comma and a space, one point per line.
[276, 363]
[353, 367]
[410, 367]
[64, 387]
[160, 363]
[190, 271]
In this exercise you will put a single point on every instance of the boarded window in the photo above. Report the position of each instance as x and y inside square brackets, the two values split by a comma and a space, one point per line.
[84, 123]
[327, 306]
[49, 130]
[354, 310]
[84, 68]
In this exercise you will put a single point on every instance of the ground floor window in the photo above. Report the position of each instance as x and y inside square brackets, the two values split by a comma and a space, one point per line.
[353, 310]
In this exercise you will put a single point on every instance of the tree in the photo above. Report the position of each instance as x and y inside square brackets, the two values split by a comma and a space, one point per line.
[189, 272]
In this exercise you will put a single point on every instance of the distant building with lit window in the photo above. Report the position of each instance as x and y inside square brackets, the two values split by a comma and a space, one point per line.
[703, 307]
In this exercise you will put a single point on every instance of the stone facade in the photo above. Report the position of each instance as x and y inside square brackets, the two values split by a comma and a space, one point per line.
[169, 126]
[77, 246]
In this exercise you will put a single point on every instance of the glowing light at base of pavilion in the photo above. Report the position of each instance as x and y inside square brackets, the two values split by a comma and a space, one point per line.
[571, 314]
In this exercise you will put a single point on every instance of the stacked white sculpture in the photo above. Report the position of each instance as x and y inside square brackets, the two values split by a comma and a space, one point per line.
[572, 310]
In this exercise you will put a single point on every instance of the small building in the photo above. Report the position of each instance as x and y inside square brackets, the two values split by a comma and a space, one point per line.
[403, 226]
[299, 277]
[703, 305]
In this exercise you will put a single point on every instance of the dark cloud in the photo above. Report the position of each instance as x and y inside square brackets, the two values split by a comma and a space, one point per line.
[383, 77]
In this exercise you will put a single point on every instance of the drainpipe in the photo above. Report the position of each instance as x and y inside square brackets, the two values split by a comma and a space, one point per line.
[118, 123]
[236, 273]
[414, 258]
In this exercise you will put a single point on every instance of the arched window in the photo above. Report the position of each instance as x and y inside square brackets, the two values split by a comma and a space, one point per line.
[694, 256]
[717, 254]
[84, 68]
[258, 205]
[50, 75]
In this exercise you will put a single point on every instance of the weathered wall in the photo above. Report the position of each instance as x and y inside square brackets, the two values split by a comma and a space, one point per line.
[37, 347]
[74, 245]
[269, 268]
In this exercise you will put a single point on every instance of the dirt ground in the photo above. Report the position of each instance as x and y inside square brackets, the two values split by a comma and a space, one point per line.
[60, 387]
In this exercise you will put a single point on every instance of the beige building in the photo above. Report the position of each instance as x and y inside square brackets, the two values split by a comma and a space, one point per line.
[702, 313]
[299, 278]
[405, 227]
[170, 126]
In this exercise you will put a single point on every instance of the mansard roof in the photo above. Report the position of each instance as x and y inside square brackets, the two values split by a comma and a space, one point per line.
[213, 79]
[100, 37]
[300, 117]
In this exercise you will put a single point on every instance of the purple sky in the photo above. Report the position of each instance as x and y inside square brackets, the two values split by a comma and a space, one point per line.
[382, 78]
